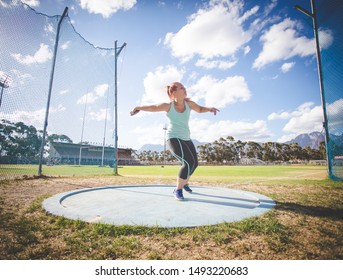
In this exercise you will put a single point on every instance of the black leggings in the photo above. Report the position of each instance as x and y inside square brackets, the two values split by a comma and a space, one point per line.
[185, 152]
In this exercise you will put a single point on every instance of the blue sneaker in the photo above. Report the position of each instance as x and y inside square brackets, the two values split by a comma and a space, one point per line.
[178, 194]
[187, 188]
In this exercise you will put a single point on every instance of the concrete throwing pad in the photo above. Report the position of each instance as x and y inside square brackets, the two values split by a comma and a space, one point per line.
[154, 205]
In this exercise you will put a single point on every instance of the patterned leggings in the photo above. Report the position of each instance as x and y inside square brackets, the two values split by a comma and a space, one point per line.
[185, 152]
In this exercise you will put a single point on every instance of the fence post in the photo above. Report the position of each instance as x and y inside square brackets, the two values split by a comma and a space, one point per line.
[116, 54]
[49, 93]
[320, 76]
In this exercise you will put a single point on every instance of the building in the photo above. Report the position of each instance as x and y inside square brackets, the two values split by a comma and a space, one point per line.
[70, 153]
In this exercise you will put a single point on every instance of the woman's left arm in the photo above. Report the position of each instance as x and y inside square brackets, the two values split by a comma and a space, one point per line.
[201, 109]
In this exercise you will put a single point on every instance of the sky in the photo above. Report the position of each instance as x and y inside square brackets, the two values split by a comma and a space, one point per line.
[253, 60]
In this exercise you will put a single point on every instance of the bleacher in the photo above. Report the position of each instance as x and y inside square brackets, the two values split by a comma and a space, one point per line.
[70, 153]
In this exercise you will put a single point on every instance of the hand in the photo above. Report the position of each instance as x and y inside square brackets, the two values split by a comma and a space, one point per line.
[134, 112]
[214, 110]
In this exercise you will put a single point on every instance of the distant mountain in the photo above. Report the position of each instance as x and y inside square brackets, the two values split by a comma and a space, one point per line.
[151, 147]
[311, 140]
[160, 148]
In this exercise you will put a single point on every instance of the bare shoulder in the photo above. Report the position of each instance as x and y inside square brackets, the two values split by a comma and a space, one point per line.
[165, 106]
[192, 104]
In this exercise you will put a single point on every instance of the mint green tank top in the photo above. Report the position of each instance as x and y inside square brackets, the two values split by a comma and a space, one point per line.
[178, 123]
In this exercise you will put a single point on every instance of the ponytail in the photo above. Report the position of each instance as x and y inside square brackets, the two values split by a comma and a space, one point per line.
[170, 89]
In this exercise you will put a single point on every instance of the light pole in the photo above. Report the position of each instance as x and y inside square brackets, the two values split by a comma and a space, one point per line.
[4, 83]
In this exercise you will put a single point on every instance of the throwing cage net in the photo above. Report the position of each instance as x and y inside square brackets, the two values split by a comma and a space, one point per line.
[80, 119]
[329, 16]
[80, 115]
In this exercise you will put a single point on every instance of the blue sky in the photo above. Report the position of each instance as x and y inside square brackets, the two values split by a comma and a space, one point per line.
[253, 60]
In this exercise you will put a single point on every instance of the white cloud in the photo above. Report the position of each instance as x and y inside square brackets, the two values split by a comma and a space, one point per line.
[305, 119]
[19, 78]
[280, 116]
[325, 38]
[49, 28]
[308, 118]
[100, 115]
[282, 41]
[41, 56]
[31, 3]
[32, 117]
[212, 32]
[208, 131]
[219, 64]
[92, 96]
[220, 93]
[288, 137]
[287, 66]
[65, 45]
[64, 91]
[303, 108]
[153, 134]
[155, 83]
[246, 50]
[306, 122]
[106, 8]
[335, 116]
[269, 7]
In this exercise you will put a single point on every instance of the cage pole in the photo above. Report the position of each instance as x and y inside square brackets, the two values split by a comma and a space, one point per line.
[320, 75]
[117, 51]
[50, 89]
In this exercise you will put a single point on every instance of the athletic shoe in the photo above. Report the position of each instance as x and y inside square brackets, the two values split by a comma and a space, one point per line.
[178, 194]
[187, 188]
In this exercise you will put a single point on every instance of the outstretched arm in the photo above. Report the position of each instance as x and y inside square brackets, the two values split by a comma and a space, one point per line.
[201, 109]
[151, 108]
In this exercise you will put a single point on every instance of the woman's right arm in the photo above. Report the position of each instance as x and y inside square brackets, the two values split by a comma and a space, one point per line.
[151, 108]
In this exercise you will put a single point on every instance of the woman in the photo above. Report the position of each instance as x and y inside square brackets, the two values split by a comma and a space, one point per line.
[178, 134]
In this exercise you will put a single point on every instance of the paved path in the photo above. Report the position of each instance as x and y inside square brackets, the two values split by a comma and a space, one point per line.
[154, 205]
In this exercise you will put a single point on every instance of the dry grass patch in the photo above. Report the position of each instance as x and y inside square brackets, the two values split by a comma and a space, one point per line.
[305, 224]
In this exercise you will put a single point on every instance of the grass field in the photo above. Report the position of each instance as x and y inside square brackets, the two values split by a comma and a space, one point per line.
[305, 224]
[236, 173]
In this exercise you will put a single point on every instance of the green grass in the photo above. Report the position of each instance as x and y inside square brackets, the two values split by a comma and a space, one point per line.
[305, 224]
[216, 173]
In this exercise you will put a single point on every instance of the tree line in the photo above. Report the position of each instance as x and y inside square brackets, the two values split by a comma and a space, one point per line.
[21, 143]
[228, 151]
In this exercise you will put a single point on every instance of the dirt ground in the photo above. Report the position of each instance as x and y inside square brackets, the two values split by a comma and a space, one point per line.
[305, 224]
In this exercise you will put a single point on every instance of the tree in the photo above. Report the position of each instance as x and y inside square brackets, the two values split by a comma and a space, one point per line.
[268, 151]
[19, 142]
[59, 138]
[296, 151]
[254, 150]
